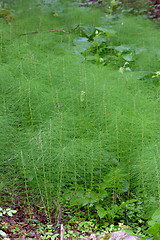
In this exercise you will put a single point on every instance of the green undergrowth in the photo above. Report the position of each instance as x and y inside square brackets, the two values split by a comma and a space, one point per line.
[69, 126]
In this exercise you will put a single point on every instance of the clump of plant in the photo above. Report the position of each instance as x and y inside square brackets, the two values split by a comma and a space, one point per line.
[99, 45]
[114, 5]
[152, 77]
[99, 213]
[7, 15]
[6, 3]
[3, 224]
[136, 6]
[47, 231]
[156, 77]
[107, 203]
[154, 224]
[7, 211]
[154, 9]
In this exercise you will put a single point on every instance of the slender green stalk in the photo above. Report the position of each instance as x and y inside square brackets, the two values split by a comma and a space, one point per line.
[26, 185]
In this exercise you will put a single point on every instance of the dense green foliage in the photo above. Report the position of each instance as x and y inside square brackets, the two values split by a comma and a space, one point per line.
[80, 111]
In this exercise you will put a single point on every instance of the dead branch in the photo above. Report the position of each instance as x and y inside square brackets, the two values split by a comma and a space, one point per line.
[63, 31]
[62, 232]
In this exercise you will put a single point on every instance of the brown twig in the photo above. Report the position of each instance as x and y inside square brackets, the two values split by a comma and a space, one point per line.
[62, 232]
[59, 213]
[23, 34]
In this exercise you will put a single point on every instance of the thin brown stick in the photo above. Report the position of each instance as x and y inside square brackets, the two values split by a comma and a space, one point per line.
[23, 34]
[62, 232]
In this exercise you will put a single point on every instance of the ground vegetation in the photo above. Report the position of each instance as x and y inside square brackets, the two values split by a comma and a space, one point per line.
[79, 97]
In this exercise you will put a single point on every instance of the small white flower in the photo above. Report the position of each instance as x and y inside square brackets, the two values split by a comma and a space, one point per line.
[101, 60]
[126, 63]
[96, 33]
[121, 70]
[128, 69]
[82, 96]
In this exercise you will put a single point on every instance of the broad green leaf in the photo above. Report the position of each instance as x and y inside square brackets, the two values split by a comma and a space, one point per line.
[125, 186]
[155, 217]
[98, 40]
[79, 193]
[76, 201]
[78, 198]
[10, 214]
[101, 212]
[91, 58]
[3, 234]
[93, 197]
[139, 50]
[155, 230]
[4, 211]
[109, 32]
[14, 211]
[87, 31]
[81, 44]
[122, 48]
[128, 57]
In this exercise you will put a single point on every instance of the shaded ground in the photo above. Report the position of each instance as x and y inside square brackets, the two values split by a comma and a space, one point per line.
[31, 222]
[26, 222]
[154, 11]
